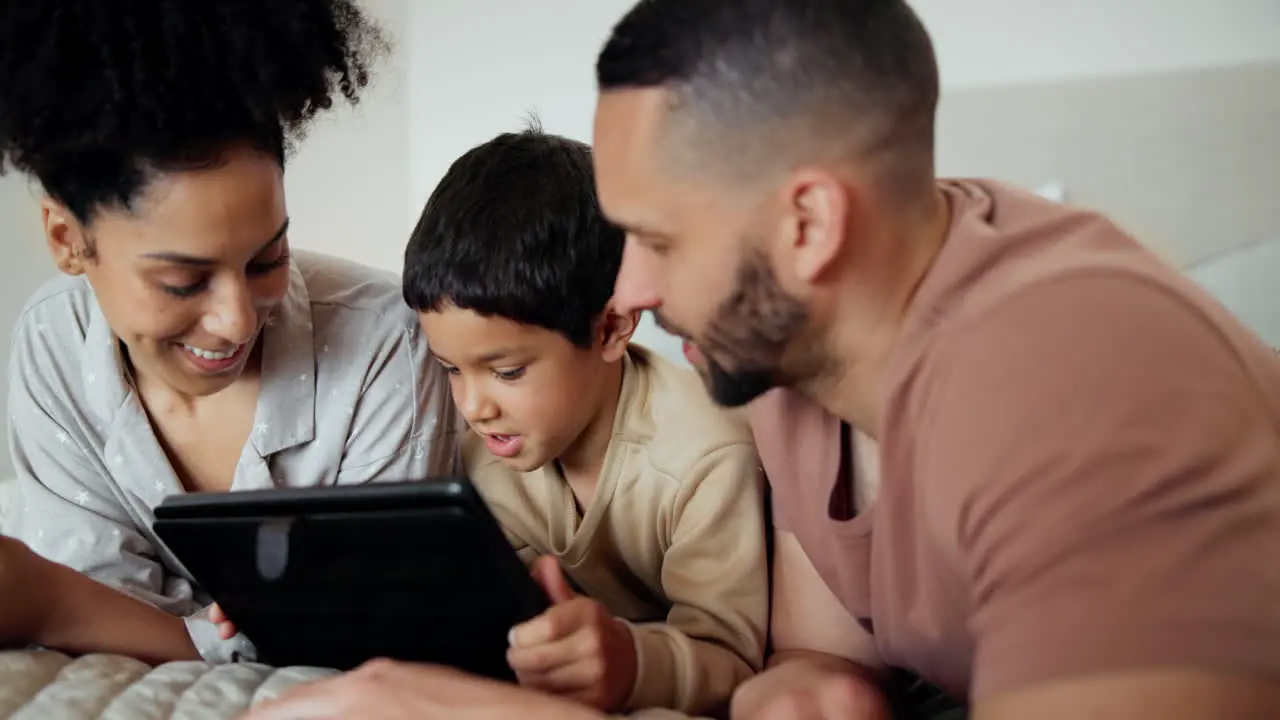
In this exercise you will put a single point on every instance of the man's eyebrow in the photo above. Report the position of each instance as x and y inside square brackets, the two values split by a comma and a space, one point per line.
[195, 261]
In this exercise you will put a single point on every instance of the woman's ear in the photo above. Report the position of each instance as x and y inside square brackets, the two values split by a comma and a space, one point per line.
[615, 332]
[65, 236]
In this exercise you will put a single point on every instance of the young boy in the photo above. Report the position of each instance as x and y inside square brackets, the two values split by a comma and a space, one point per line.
[637, 501]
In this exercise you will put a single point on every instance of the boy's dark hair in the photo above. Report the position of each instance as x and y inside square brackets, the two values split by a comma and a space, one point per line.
[97, 97]
[515, 230]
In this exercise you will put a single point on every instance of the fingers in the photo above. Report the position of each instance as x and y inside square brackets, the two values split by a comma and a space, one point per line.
[550, 577]
[558, 623]
[580, 665]
[226, 628]
[544, 658]
[579, 674]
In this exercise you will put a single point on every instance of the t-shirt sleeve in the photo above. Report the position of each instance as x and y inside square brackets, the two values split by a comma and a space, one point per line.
[1112, 481]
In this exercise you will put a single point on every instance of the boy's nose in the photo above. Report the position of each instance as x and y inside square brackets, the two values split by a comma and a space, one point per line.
[476, 407]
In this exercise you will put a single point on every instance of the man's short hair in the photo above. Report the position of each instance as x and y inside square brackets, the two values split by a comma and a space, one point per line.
[861, 73]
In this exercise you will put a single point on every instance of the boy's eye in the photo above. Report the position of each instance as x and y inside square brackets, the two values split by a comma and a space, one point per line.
[512, 374]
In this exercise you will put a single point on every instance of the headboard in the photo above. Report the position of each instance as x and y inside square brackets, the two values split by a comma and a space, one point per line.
[1189, 161]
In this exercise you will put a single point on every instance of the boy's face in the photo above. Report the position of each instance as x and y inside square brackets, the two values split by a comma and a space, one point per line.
[527, 390]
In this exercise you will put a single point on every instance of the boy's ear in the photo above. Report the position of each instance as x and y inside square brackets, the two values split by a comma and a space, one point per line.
[616, 330]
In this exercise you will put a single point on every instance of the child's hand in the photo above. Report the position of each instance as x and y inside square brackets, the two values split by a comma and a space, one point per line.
[576, 649]
[226, 628]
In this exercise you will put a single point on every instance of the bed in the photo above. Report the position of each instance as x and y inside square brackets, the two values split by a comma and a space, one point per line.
[39, 684]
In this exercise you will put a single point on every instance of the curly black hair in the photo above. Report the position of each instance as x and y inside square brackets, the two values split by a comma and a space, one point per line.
[97, 97]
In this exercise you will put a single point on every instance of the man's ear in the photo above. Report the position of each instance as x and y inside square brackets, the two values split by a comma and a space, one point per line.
[615, 330]
[66, 237]
[817, 207]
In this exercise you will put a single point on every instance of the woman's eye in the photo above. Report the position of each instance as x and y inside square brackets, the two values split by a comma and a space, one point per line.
[184, 291]
[263, 268]
[513, 374]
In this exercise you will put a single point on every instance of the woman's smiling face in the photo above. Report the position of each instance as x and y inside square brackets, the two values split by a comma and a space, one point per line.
[189, 273]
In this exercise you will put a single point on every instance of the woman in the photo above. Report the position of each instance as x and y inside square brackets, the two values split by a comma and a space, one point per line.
[186, 347]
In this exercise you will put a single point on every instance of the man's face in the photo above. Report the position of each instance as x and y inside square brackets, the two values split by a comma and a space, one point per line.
[698, 254]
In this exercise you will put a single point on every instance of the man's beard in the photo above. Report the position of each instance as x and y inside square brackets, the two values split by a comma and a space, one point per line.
[735, 389]
[750, 331]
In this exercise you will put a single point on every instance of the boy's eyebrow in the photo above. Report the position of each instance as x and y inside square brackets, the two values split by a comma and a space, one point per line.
[501, 353]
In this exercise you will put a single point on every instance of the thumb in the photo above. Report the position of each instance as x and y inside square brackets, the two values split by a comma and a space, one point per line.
[548, 575]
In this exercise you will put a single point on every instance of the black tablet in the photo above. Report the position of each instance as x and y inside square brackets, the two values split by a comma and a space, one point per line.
[332, 577]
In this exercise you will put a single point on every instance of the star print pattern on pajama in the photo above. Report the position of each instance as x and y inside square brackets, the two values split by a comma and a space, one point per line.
[90, 470]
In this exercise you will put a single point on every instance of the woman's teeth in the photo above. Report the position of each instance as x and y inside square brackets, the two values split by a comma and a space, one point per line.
[211, 355]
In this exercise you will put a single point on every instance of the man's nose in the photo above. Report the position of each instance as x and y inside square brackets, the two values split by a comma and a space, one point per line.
[636, 288]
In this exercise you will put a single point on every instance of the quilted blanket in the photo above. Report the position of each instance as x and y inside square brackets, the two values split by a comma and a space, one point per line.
[37, 684]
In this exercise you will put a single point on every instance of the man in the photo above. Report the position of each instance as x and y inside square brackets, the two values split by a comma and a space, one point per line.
[1078, 505]
[1079, 457]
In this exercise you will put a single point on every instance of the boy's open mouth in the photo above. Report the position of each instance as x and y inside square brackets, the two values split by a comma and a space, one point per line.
[504, 446]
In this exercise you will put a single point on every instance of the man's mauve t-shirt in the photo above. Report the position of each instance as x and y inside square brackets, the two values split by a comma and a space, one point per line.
[1079, 464]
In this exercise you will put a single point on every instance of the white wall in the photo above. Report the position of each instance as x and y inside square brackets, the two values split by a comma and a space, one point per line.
[347, 186]
[478, 65]
[995, 42]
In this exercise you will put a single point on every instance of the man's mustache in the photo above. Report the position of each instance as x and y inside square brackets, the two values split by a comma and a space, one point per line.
[668, 326]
